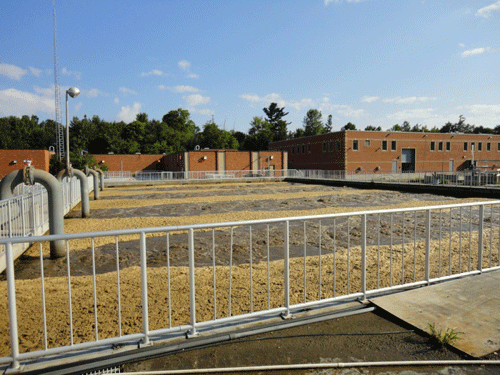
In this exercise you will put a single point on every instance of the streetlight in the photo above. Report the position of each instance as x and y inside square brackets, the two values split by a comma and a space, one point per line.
[73, 92]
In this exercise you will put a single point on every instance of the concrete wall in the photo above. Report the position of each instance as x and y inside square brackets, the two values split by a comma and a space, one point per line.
[433, 151]
[40, 159]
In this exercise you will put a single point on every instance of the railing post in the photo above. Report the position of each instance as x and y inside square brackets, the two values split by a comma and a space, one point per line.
[9, 216]
[480, 241]
[11, 293]
[23, 224]
[363, 256]
[192, 291]
[286, 272]
[428, 246]
[144, 287]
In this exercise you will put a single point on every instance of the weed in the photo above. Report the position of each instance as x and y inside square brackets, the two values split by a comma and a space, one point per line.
[439, 338]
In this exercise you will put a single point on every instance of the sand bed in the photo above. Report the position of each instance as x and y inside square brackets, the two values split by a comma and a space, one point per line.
[174, 311]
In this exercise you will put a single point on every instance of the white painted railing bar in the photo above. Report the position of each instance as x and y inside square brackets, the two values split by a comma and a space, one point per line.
[144, 289]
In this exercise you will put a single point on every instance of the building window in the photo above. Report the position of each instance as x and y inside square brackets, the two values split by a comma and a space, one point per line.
[367, 143]
[488, 146]
[472, 146]
[293, 150]
[324, 147]
[480, 146]
[440, 146]
[331, 146]
[355, 145]
[308, 149]
[384, 145]
[448, 146]
[433, 145]
[465, 146]
[337, 145]
[393, 145]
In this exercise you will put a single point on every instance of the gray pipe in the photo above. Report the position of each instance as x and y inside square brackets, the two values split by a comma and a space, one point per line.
[102, 177]
[56, 206]
[84, 187]
[96, 182]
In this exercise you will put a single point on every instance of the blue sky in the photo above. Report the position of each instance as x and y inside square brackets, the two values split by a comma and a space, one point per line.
[369, 62]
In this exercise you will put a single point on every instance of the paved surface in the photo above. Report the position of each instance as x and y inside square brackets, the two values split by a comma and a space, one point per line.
[470, 305]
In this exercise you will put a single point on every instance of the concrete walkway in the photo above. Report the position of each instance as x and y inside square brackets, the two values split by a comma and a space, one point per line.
[470, 305]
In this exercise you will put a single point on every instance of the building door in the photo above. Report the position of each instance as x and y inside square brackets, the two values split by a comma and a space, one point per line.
[394, 166]
[221, 161]
[408, 160]
[452, 165]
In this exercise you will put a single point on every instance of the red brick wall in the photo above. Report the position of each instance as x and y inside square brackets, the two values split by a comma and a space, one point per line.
[198, 163]
[40, 160]
[131, 163]
[315, 153]
[174, 162]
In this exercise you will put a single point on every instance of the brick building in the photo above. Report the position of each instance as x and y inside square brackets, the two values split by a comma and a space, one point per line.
[386, 151]
[12, 160]
[225, 160]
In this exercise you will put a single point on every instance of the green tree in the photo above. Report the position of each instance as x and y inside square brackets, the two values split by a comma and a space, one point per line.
[373, 128]
[458, 127]
[259, 135]
[313, 124]
[349, 126]
[329, 124]
[278, 125]
[215, 138]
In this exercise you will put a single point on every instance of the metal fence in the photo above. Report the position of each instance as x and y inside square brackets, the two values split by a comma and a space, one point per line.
[196, 175]
[27, 214]
[146, 285]
[465, 178]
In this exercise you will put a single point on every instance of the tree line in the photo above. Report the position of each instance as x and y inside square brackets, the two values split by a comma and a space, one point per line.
[176, 132]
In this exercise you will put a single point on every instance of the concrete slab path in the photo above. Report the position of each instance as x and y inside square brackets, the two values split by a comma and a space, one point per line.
[470, 305]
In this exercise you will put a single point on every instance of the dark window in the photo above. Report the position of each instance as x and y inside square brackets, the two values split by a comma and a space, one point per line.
[465, 146]
[393, 145]
[355, 145]
[337, 145]
[384, 145]
[440, 146]
[324, 147]
[448, 146]
[308, 149]
[480, 146]
[331, 146]
[303, 149]
[488, 146]
[433, 145]
[293, 150]
[472, 146]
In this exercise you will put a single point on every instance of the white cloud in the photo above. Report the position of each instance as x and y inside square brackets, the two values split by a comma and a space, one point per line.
[36, 72]
[76, 75]
[475, 51]
[93, 93]
[78, 106]
[162, 87]
[409, 99]
[369, 99]
[196, 99]
[276, 98]
[184, 65]
[154, 72]
[116, 101]
[420, 113]
[482, 114]
[18, 103]
[183, 88]
[12, 71]
[461, 45]
[492, 109]
[49, 92]
[125, 90]
[128, 114]
[193, 75]
[485, 11]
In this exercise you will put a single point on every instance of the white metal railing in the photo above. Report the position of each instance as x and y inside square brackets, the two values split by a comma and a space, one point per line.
[197, 175]
[252, 269]
[465, 178]
[27, 214]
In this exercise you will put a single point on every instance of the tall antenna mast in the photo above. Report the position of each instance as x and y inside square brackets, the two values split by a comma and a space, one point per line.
[58, 119]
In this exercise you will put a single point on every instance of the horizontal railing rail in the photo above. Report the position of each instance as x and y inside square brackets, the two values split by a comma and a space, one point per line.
[464, 178]
[144, 285]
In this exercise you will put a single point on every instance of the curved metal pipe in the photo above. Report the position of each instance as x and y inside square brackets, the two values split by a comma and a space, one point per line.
[56, 206]
[84, 187]
[102, 177]
[96, 182]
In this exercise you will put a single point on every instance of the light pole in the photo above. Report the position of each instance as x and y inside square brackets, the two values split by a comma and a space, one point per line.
[73, 92]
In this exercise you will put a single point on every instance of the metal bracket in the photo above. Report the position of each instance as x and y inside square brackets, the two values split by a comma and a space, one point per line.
[29, 175]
